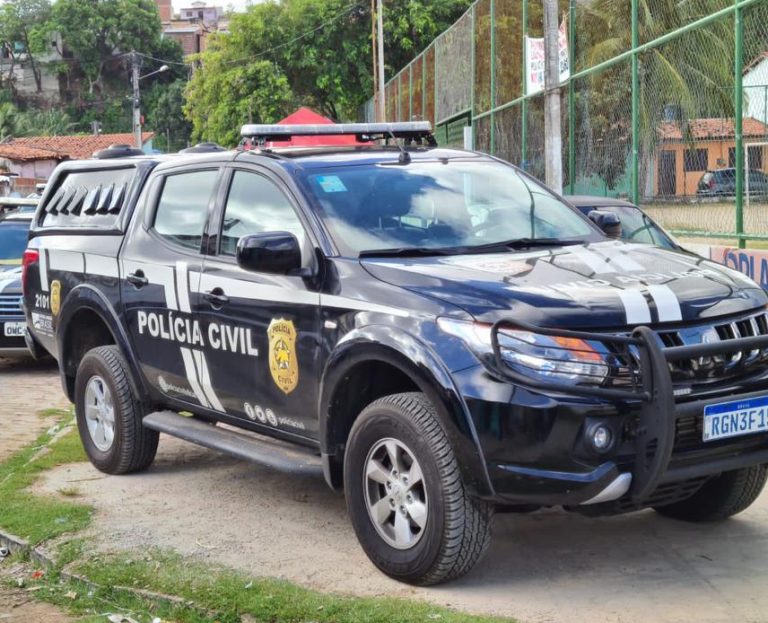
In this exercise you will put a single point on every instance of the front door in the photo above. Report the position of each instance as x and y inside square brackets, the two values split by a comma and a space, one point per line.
[262, 329]
[160, 272]
[667, 173]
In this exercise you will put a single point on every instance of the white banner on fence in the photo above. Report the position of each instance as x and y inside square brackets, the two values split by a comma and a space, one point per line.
[534, 55]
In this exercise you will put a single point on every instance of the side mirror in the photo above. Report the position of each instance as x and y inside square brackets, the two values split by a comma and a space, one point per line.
[275, 252]
[609, 222]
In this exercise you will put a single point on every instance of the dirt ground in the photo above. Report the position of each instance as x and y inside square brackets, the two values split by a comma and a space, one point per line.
[26, 387]
[547, 566]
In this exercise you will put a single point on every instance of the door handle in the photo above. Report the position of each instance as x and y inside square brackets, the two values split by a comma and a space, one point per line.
[137, 279]
[216, 297]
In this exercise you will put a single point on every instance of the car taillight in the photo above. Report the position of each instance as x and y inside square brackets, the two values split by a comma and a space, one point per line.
[30, 257]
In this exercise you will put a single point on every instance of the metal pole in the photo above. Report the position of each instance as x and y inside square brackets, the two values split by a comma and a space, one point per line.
[493, 77]
[380, 58]
[473, 67]
[136, 100]
[635, 175]
[553, 140]
[738, 95]
[373, 56]
[410, 92]
[571, 98]
[524, 107]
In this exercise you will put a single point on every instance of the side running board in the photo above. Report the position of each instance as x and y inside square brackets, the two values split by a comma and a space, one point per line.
[261, 450]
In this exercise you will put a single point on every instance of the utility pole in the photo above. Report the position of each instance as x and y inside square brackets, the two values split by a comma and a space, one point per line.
[375, 66]
[552, 132]
[136, 111]
[380, 58]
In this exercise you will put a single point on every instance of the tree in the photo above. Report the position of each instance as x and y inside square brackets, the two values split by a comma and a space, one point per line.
[165, 115]
[24, 29]
[97, 31]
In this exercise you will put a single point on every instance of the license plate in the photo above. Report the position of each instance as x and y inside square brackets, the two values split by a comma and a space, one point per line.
[14, 329]
[733, 419]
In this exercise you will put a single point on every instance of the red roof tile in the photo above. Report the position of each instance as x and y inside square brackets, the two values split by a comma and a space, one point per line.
[16, 152]
[712, 129]
[76, 146]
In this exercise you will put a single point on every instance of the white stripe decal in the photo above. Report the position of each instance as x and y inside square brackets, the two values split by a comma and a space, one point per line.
[205, 380]
[667, 304]
[157, 275]
[100, 265]
[622, 260]
[66, 261]
[343, 302]
[43, 266]
[189, 368]
[591, 259]
[182, 286]
[635, 306]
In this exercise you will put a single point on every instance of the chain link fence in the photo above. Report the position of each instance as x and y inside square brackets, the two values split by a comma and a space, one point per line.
[694, 73]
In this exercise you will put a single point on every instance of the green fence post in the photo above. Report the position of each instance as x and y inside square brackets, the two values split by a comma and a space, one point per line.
[493, 77]
[635, 175]
[524, 104]
[424, 84]
[410, 92]
[571, 98]
[473, 70]
[738, 94]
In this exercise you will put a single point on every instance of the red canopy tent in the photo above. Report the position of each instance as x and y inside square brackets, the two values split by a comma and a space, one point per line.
[307, 116]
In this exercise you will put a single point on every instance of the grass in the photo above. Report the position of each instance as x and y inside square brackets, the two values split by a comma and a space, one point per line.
[31, 517]
[207, 593]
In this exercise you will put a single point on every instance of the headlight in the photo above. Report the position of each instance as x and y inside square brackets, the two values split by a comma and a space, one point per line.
[551, 358]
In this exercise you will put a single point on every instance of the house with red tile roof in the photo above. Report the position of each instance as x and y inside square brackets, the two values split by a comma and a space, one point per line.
[686, 152]
[33, 158]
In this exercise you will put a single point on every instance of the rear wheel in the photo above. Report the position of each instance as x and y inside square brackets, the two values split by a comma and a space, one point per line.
[720, 497]
[109, 414]
[407, 502]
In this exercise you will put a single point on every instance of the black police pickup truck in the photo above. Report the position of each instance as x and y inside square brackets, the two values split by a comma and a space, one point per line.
[436, 331]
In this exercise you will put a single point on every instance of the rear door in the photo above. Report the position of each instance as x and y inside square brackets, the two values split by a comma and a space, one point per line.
[263, 329]
[160, 271]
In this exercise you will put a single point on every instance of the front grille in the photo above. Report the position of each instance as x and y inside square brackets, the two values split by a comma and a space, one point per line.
[718, 367]
[10, 305]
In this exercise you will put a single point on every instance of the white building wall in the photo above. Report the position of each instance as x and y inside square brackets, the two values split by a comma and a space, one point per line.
[756, 91]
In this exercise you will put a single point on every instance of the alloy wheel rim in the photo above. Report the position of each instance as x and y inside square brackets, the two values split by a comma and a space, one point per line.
[99, 413]
[395, 493]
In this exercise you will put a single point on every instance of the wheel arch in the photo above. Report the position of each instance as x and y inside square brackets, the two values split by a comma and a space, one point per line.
[387, 360]
[87, 320]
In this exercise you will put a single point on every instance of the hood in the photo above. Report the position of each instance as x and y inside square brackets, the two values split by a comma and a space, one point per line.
[8, 266]
[10, 279]
[607, 284]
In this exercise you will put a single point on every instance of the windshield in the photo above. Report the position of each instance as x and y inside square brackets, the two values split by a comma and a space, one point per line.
[636, 226]
[13, 241]
[439, 205]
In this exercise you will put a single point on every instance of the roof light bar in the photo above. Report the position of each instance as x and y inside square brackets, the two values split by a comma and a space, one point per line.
[365, 131]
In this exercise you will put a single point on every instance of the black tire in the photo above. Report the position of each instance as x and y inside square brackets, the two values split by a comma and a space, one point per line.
[720, 497]
[457, 528]
[133, 447]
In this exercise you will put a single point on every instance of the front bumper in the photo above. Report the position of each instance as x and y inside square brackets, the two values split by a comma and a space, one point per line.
[536, 445]
[12, 346]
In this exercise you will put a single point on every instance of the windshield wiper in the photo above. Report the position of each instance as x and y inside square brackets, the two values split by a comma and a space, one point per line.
[492, 247]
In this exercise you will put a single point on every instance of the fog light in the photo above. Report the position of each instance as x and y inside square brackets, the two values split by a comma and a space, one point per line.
[601, 438]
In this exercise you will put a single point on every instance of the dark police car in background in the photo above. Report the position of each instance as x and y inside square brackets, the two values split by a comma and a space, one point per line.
[14, 230]
[434, 329]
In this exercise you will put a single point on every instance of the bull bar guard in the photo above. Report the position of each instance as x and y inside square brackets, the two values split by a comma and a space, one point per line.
[650, 384]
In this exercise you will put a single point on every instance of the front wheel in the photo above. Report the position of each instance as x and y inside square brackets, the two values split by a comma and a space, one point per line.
[405, 497]
[720, 497]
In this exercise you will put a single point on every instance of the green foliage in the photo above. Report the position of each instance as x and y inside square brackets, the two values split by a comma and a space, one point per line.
[315, 52]
[164, 105]
[96, 30]
[223, 95]
[25, 26]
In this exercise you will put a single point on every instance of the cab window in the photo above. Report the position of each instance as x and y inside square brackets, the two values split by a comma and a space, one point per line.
[255, 204]
[183, 207]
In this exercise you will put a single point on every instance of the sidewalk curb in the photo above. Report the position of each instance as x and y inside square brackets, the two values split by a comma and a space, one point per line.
[17, 545]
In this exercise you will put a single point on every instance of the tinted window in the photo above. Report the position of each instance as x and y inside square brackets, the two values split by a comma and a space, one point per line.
[183, 207]
[88, 199]
[435, 205]
[255, 204]
[695, 160]
[13, 241]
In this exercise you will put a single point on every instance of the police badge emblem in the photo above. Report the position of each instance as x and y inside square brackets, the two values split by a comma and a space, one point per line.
[55, 297]
[283, 364]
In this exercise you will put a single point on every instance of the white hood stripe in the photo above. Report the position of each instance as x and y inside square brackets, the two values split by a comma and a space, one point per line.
[667, 304]
[635, 306]
[619, 259]
[595, 262]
